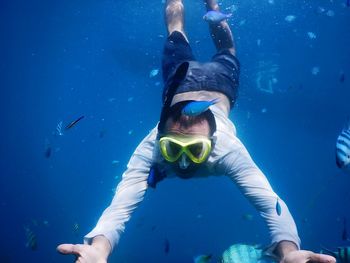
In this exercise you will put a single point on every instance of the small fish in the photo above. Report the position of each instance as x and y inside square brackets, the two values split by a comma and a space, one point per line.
[32, 242]
[242, 22]
[258, 42]
[330, 13]
[58, 131]
[320, 10]
[102, 134]
[278, 207]
[345, 232]
[342, 76]
[75, 228]
[348, 3]
[166, 246]
[248, 217]
[215, 16]
[311, 35]
[315, 70]
[202, 258]
[342, 254]
[195, 108]
[48, 149]
[115, 162]
[73, 123]
[343, 148]
[244, 253]
[232, 8]
[153, 73]
[290, 18]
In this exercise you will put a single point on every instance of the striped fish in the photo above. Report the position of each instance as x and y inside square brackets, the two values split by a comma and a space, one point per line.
[202, 258]
[342, 255]
[32, 242]
[243, 253]
[342, 153]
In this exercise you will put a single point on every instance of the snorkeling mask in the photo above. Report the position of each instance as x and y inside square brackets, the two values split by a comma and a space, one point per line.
[197, 149]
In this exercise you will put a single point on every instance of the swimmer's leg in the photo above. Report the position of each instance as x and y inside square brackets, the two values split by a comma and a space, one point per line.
[174, 17]
[220, 33]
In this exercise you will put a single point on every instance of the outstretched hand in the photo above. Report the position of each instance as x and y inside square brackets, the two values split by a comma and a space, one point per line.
[83, 253]
[303, 256]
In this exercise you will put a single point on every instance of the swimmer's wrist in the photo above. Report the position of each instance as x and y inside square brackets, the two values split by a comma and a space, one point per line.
[285, 247]
[101, 243]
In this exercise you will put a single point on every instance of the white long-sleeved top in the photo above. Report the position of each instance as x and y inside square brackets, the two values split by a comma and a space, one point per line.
[229, 157]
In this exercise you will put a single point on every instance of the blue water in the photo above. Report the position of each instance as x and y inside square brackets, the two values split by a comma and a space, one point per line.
[63, 59]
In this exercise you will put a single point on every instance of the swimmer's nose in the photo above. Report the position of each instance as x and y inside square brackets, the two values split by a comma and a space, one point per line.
[184, 163]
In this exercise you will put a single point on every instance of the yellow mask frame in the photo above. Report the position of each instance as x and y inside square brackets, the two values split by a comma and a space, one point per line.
[196, 148]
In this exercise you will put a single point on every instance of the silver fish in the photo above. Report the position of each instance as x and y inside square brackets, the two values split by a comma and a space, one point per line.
[342, 153]
[243, 253]
[58, 131]
[153, 73]
[290, 18]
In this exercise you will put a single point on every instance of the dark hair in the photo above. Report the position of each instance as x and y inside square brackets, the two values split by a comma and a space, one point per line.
[175, 113]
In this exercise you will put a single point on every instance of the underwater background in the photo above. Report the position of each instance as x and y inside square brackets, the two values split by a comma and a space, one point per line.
[64, 59]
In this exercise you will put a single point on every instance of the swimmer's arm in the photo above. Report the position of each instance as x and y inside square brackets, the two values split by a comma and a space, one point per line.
[129, 193]
[240, 167]
[252, 182]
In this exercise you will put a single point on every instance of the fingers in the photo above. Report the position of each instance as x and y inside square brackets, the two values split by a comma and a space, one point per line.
[321, 258]
[65, 248]
[70, 249]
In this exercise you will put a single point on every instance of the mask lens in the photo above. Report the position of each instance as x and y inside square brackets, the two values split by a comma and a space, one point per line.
[173, 149]
[196, 149]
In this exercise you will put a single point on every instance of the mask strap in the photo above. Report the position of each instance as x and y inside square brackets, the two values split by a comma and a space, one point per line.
[179, 75]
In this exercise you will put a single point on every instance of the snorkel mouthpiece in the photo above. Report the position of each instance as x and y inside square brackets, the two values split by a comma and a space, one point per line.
[184, 163]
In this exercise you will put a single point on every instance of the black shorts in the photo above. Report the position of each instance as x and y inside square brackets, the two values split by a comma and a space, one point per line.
[221, 74]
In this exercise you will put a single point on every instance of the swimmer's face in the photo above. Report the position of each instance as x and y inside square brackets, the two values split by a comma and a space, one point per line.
[184, 166]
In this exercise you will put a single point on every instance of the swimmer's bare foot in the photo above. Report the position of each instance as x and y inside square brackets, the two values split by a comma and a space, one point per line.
[211, 5]
[174, 16]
